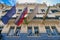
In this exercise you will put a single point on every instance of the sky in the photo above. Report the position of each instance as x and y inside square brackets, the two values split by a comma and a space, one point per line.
[48, 2]
[12, 2]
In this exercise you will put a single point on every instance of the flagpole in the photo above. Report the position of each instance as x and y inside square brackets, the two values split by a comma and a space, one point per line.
[20, 18]
[29, 19]
[44, 17]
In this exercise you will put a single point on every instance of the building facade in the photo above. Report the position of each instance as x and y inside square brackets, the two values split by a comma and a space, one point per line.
[35, 30]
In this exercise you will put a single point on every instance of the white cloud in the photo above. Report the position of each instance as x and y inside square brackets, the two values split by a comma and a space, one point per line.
[28, 1]
[48, 2]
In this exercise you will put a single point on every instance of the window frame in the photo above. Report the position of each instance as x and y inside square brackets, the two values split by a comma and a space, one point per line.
[48, 30]
[9, 33]
[36, 31]
[29, 28]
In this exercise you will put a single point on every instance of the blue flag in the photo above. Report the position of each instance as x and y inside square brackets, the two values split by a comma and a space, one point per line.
[8, 2]
[8, 15]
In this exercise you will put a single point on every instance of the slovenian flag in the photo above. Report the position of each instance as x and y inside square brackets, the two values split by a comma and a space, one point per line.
[20, 19]
[8, 15]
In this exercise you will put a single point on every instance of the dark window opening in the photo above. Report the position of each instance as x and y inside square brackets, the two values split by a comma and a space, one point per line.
[48, 30]
[29, 31]
[59, 6]
[6, 10]
[1, 27]
[31, 10]
[53, 11]
[11, 31]
[19, 10]
[57, 17]
[55, 32]
[17, 33]
[42, 10]
[36, 31]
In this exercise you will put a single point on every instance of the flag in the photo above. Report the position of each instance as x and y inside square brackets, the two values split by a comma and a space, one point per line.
[8, 2]
[8, 15]
[20, 19]
[33, 13]
[28, 19]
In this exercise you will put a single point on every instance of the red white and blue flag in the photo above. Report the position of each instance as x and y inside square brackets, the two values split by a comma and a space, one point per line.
[20, 19]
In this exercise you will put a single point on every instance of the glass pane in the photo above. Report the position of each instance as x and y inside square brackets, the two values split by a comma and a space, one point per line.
[48, 30]
[19, 10]
[42, 10]
[53, 11]
[59, 6]
[1, 27]
[6, 10]
[36, 32]
[31, 10]
[29, 31]
[55, 32]
[11, 31]
[17, 31]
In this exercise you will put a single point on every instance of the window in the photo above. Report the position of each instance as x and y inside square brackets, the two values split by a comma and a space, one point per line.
[17, 33]
[0, 17]
[31, 10]
[6, 10]
[19, 10]
[56, 17]
[42, 10]
[29, 31]
[59, 6]
[11, 31]
[55, 32]
[38, 17]
[59, 18]
[48, 30]
[58, 33]
[53, 11]
[1, 27]
[36, 32]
